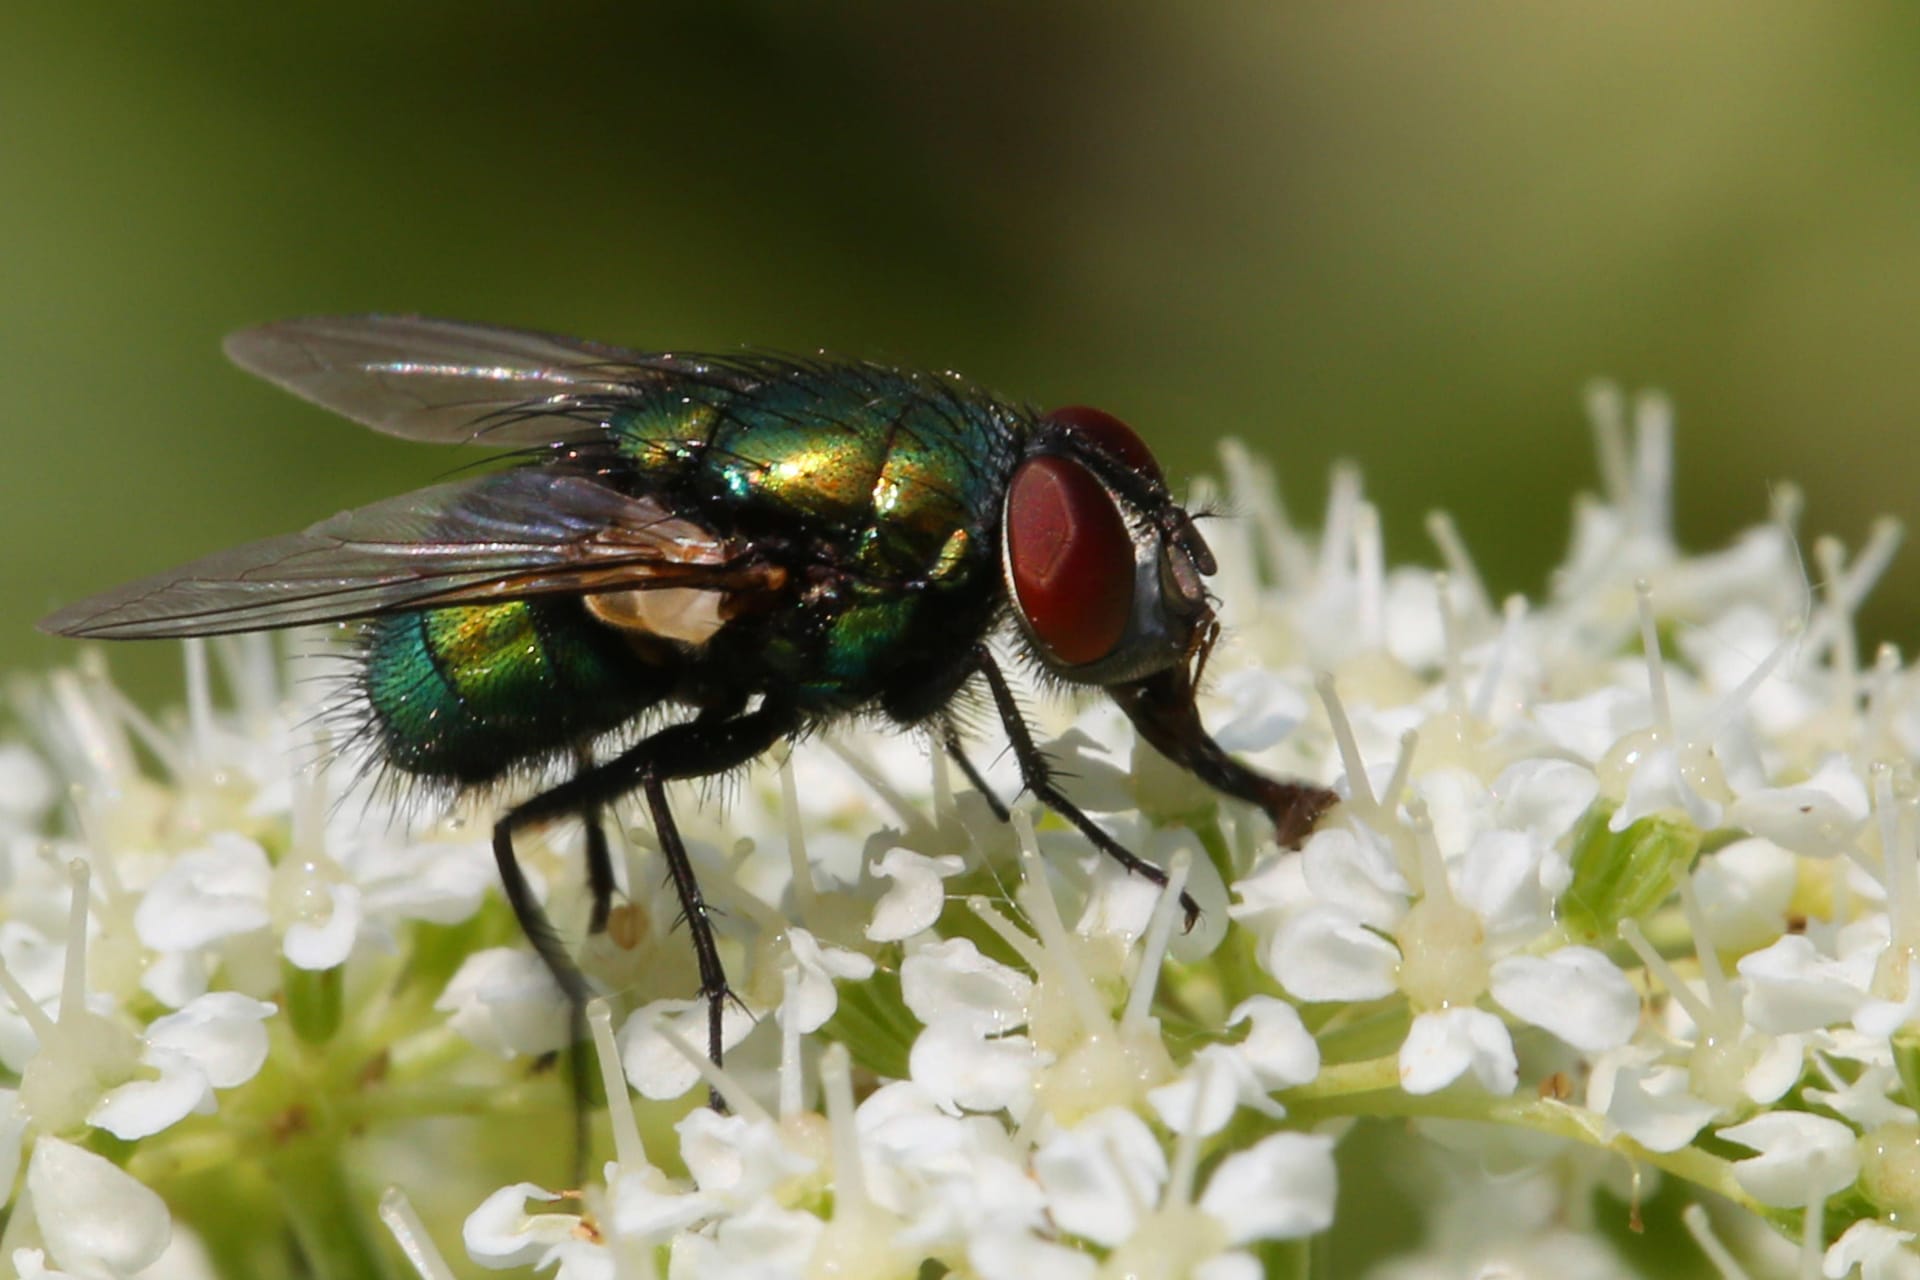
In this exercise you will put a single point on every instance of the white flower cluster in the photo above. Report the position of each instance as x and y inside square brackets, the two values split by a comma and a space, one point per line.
[1627, 879]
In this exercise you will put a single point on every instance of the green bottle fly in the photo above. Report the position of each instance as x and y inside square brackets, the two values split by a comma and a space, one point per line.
[689, 559]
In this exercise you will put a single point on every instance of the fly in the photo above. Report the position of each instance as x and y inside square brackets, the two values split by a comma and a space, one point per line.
[764, 544]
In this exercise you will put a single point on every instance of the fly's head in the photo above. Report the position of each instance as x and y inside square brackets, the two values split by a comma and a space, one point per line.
[1107, 575]
[1106, 571]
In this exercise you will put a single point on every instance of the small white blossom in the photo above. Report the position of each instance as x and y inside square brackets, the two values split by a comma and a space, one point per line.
[917, 896]
[504, 999]
[1801, 1155]
[1880, 1252]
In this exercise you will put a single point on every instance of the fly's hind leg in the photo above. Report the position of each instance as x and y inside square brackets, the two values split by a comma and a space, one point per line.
[695, 749]
[693, 909]
[534, 922]
[599, 870]
[540, 932]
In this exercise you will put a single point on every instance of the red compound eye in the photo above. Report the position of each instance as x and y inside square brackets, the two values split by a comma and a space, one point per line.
[1109, 435]
[1071, 559]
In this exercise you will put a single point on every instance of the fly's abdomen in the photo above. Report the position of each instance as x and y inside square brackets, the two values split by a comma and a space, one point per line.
[466, 693]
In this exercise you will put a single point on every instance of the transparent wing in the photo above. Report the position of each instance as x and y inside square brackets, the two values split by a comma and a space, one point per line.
[508, 535]
[448, 383]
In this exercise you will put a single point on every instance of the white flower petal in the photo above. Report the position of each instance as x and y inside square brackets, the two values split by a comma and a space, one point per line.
[1658, 786]
[504, 999]
[31, 1264]
[500, 1233]
[1459, 806]
[1279, 1048]
[648, 1207]
[1098, 1174]
[1817, 819]
[1021, 1255]
[1324, 954]
[174, 978]
[1280, 1188]
[967, 1072]
[1575, 992]
[221, 1033]
[1266, 709]
[1441, 1047]
[1790, 986]
[950, 981]
[579, 1259]
[1229, 1266]
[93, 1217]
[1880, 1251]
[1801, 1156]
[1544, 798]
[814, 998]
[918, 895]
[438, 881]
[147, 1105]
[1356, 875]
[1120, 905]
[1208, 1092]
[1806, 821]
[1499, 877]
[762, 1243]
[653, 1065]
[1867, 1101]
[1776, 1068]
[1411, 619]
[1744, 891]
[1090, 769]
[212, 893]
[742, 1158]
[27, 786]
[325, 943]
[1589, 725]
[1646, 1100]
[1273, 890]
[1880, 1019]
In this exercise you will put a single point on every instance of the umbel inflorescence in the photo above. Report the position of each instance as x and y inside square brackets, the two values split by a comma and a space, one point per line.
[1620, 912]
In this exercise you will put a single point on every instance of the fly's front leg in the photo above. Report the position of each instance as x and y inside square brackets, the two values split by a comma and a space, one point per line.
[1037, 774]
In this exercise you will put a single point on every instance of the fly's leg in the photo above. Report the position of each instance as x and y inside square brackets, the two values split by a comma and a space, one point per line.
[532, 918]
[553, 953]
[950, 741]
[1037, 774]
[599, 870]
[533, 922]
[696, 749]
[693, 909]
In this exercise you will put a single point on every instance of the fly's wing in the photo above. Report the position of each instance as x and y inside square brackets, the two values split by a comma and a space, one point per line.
[508, 535]
[448, 383]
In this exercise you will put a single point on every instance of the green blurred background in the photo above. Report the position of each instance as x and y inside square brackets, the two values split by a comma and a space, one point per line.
[1406, 236]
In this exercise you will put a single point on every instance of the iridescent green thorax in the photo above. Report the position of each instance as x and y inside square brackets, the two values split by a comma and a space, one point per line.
[883, 490]
[464, 692]
[901, 473]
